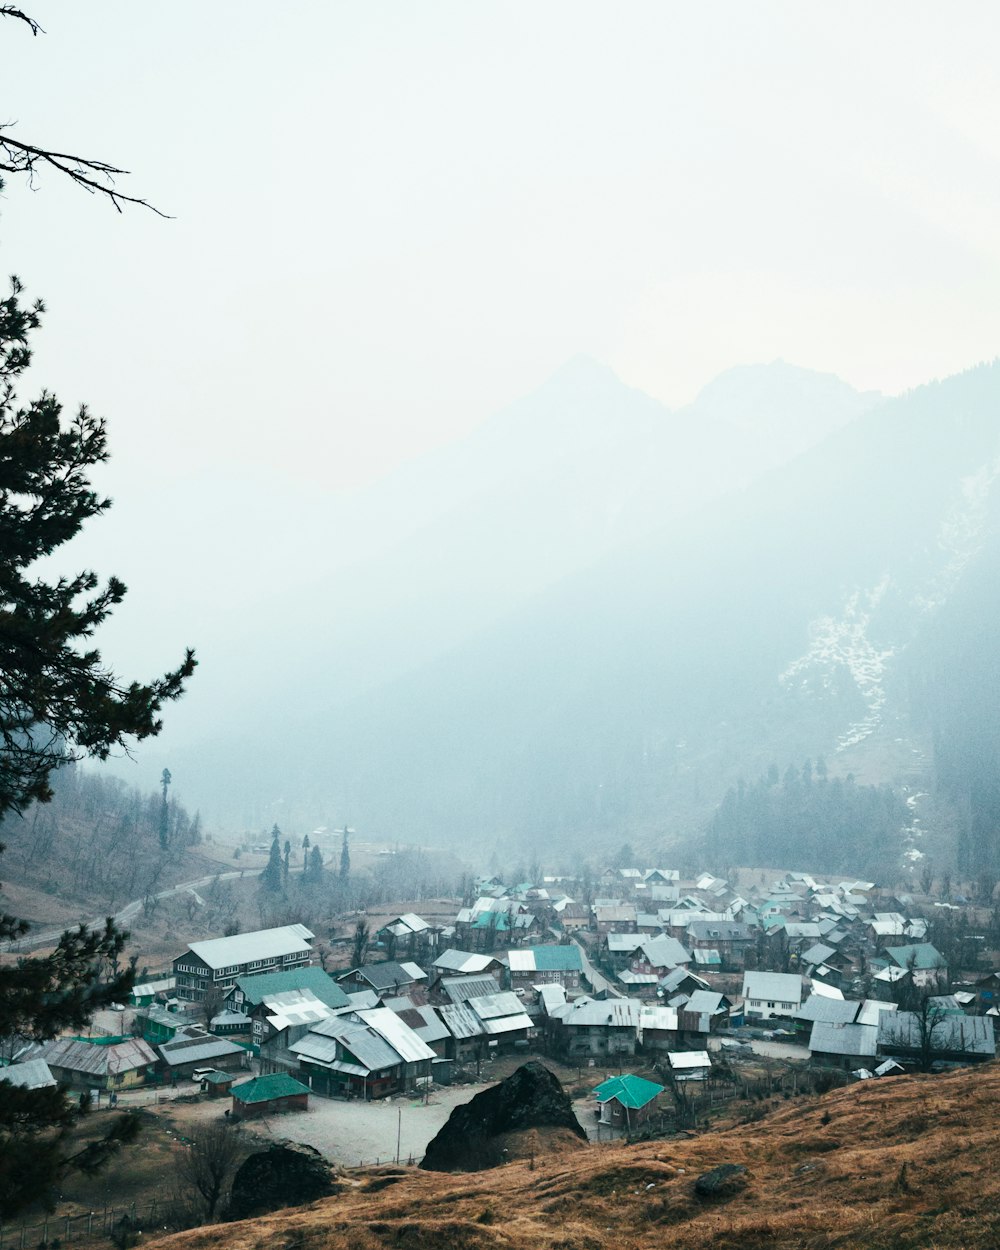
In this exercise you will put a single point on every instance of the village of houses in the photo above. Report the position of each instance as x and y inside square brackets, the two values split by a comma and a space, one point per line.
[651, 992]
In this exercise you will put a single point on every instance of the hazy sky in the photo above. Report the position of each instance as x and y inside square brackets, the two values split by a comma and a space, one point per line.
[391, 219]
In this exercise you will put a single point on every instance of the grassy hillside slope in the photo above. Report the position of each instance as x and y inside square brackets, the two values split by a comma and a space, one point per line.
[905, 1164]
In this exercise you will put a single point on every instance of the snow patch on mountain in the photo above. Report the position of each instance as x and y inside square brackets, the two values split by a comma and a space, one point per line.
[961, 535]
[841, 644]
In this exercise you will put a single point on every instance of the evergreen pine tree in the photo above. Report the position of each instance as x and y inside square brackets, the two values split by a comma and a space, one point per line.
[270, 878]
[59, 701]
[345, 858]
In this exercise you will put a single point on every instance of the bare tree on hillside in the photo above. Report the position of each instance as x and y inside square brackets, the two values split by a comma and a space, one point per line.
[209, 1163]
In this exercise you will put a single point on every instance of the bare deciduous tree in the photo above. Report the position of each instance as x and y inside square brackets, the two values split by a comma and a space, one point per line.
[208, 1165]
[18, 157]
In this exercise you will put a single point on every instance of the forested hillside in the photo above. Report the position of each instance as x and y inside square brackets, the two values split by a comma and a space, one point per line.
[809, 821]
[100, 842]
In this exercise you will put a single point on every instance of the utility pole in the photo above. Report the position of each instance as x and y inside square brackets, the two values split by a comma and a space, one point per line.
[399, 1130]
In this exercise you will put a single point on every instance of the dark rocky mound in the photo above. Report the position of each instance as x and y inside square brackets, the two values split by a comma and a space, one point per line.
[287, 1174]
[531, 1098]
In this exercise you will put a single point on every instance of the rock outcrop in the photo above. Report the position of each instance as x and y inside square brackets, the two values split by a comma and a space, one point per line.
[287, 1174]
[482, 1132]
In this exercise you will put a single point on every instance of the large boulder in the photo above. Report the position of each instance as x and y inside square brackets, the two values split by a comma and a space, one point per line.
[478, 1134]
[287, 1174]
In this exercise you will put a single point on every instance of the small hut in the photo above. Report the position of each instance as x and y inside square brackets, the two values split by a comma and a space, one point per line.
[269, 1095]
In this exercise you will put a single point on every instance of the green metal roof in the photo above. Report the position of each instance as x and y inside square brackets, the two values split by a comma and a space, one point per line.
[631, 1091]
[256, 989]
[264, 1088]
[498, 920]
[923, 956]
[557, 958]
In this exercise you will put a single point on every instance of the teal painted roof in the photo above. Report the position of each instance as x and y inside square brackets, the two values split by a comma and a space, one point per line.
[264, 1088]
[631, 1091]
[256, 989]
[498, 920]
[923, 955]
[557, 958]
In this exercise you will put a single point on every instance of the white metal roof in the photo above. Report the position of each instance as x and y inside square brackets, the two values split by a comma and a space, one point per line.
[685, 1060]
[462, 961]
[397, 1033]
[294, 1007]
[243, 948]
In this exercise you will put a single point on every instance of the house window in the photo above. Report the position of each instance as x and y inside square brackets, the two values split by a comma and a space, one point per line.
[770, 1005]
[788, 1006]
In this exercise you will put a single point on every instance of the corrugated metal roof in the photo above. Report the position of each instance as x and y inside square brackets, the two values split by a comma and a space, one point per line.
[630, 1091]
[871, 1011]
[316, 1048]
[462, 961]
[461, 989]
[193, 1050]
[493, 1006]
[843, 1039]
[95, 1060]
[462, 1021]
[781, 986]
[32, 1074]
[295, 1007]
[243, 948]
[664, 1018]
[821, 1009]
[685, 1060]
[267, 1088]
[507, 1024]
[397, 1034]
[320, 983]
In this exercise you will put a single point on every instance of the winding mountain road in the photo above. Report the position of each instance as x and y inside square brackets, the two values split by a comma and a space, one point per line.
[48, 937]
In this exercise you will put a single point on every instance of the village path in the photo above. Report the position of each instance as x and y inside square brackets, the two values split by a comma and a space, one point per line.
[597, 980]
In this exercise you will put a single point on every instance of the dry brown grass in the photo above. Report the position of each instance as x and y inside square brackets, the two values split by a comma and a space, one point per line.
[810, 1186]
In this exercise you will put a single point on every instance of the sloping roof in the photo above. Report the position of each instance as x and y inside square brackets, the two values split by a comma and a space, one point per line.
[195, 1049]
[86, 1057]
[397, 1033]
[705, 1001]
[659, 1018]
[462, 1021]
[267, 1088]
[818, 954]
[968, 1035]
[664, 952]
[686, 1060]
[423, 1020]
[624, 943]
[296, 1007]
[821, 1009]
[871, 1010]
[320, 983]
[462, 961]
[243, 948]
[843, 1039]
[611, 1012]
[32, 1074]
[923, 955]
[461, 989]
[364, 1043]
[546, 959]
[551, 995]
[630, 1091]
[387, 975]
[722, 930]
[784, 987]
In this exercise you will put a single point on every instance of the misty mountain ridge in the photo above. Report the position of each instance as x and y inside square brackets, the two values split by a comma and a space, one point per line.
[804, 615]
[465, 535]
